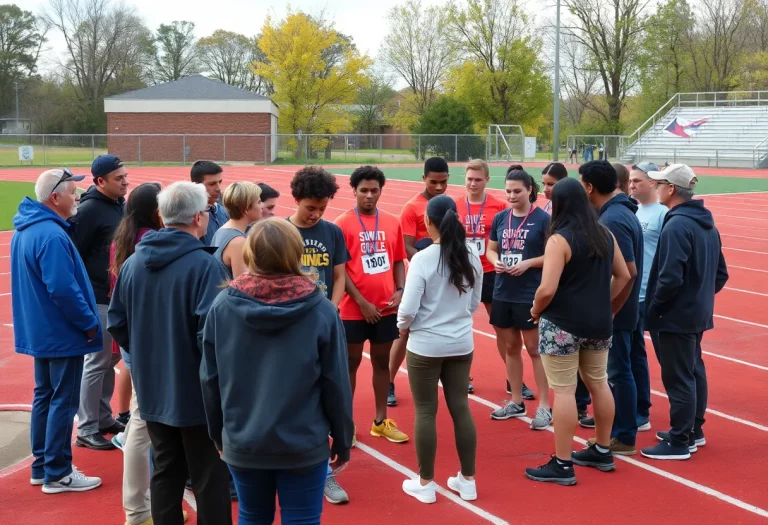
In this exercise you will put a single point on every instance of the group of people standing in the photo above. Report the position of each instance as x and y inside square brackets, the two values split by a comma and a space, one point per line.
[194, 276]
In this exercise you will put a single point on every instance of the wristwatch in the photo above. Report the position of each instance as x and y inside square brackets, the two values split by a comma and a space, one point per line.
[399, 289]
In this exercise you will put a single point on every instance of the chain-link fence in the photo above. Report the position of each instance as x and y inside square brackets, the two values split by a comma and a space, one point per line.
[152, 149]
[594, 147]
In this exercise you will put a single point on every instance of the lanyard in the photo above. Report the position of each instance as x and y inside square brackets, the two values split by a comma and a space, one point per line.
[212, 213]
[519, 226]
[375, 232]
[476, 225]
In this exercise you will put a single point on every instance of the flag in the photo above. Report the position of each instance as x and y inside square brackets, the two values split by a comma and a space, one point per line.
[684, 128]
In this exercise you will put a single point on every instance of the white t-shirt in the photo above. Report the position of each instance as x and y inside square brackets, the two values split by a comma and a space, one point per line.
[438, 317]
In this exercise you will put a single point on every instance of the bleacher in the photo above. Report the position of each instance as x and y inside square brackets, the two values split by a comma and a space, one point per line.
[735, 134]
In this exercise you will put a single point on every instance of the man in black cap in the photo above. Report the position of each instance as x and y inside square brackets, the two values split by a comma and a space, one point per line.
[98, 215]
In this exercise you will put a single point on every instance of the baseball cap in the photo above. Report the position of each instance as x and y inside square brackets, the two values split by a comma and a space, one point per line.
[49, 180]
[103, 165]
[678, 174]
[645, 167]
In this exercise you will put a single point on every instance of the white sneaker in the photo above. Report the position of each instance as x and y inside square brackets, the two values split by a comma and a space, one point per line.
[75, 482]
[35, 482]
[423, 493]
[467, 488]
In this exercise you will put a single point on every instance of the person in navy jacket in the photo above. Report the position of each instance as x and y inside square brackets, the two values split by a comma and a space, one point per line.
[55, 320]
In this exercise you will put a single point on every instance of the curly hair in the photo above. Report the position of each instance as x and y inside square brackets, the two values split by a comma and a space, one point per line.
[313, 183]
[366, 173]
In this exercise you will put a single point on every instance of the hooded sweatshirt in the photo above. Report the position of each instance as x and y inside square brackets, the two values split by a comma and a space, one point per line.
[157, 313]
[97, 218]
[274, 374]
[688, 270]
[53, 303]
[618, 215]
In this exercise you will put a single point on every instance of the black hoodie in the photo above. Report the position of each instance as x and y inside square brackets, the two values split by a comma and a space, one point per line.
[97, 219]
[688, 270]
[275, 375]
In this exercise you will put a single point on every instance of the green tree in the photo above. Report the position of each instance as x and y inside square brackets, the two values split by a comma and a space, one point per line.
[20, 41]
[441, 121]
[371, 104]
[227, 56]
[175, 53]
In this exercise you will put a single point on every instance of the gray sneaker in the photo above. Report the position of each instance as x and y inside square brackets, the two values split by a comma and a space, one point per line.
[75, 482]
[333, 491]
[542, 419]
[511, 409]
[391, 399]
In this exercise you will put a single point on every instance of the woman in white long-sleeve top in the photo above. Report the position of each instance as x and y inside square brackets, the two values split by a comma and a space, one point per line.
[442, 291]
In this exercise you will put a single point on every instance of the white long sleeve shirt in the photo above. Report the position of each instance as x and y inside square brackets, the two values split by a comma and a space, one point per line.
[438, 317]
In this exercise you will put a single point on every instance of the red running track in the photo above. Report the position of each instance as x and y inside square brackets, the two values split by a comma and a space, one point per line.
[722, 483]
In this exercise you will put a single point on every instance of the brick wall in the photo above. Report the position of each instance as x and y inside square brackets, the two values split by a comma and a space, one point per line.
[171, 149]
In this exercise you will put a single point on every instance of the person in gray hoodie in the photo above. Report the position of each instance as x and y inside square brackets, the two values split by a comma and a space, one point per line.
[158, 308]
[275, 381]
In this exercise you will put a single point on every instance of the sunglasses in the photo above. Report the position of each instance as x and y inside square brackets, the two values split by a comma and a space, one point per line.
[68, 175]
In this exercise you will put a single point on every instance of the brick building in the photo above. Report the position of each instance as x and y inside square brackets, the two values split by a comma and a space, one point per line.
[192, 118]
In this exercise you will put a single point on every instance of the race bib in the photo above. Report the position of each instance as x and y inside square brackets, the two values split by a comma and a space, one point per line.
[376, 263]
[511, 259]
[476, 246]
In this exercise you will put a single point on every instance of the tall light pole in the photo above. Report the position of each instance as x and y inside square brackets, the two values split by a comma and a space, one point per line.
[557, 86]
[17, 106]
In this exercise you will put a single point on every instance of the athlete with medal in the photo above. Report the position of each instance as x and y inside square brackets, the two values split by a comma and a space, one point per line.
[516, 250]
[375, 277]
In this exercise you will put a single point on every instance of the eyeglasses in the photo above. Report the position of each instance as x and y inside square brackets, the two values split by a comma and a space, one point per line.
[64, 178]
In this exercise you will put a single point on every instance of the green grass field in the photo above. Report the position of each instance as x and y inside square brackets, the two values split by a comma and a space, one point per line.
[9, 157]
[11, 194]
[707, 184]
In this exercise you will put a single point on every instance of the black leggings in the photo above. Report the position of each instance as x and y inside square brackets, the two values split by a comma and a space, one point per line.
[423, 376]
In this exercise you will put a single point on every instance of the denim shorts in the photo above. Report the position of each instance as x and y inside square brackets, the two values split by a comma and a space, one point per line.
[126, 359]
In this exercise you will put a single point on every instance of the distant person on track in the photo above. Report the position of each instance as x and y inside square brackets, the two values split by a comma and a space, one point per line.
[476, 209]
[242, 201]
[210, 175]
[56, 321]
[583, 265]
[442, 291]
[269, 197]
[158, 309]
[516, 250]
[98, 215]
[275, 381]
[325, 257]
[617, 213]
[650, 213]
[374, 284]
[688, 270]
[551, 175]
[416, 238]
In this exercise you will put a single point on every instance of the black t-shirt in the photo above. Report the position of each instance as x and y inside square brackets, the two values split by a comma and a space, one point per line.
[516, 245]
[324, 248]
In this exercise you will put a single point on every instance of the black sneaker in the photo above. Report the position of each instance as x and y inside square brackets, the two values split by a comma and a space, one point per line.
[123, 418]
[693, 442]
[591, 457]
[471, 387]
[583, 414]
[552, 472]
[587, 422]
[391, 399]
[95, 442]
[667, 450]
[528, 394]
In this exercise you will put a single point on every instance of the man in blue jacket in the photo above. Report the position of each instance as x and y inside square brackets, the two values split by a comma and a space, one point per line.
[157, 313]
[55, 320]
[617, 213]
[688, 270]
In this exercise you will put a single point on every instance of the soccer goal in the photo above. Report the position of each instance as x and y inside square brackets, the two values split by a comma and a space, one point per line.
[506, 142]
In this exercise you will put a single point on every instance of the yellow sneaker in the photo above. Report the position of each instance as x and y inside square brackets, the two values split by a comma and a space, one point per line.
[388, 429]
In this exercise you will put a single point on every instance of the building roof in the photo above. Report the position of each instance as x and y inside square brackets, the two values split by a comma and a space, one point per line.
[193, 87]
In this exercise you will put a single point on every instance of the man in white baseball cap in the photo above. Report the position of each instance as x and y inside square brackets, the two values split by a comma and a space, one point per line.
[688, 270]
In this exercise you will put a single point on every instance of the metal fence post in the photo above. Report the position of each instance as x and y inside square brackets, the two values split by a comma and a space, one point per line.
[139, 150]
[224, 153]
[184, 149]
[381, 148]
[93, 147]
[419, 136]
[265, 149]
[456, 149]
[45, 153]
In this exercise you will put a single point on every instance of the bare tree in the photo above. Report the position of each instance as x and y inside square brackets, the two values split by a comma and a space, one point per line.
[101, 40]
[418, 49]
[718, 42]
[175, 53]
[227, 56]
[611, 30]
[579, 81]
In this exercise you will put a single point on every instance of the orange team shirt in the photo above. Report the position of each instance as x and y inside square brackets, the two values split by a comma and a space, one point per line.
[369, 272]
[412, 217]
[469, 218]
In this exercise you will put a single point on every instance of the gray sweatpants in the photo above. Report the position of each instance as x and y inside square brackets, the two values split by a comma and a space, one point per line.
[98, 385]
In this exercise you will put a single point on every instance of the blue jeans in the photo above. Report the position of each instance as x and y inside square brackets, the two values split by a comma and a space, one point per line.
[639, 360]
[300, 492]
[623, 386]
[57, 397]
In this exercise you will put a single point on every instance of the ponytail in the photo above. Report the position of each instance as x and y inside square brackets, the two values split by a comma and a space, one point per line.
[454, 254]
[520, 174]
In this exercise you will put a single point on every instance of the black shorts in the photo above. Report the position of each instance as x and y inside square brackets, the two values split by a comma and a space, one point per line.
[511, 315]
[489, 280]
[385, 331]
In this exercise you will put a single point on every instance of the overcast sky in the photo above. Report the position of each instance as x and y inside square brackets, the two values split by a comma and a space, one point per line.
[364, 20]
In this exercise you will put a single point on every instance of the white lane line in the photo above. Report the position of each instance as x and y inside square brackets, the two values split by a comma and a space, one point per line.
[746, 291]
[764, 239]
[746, 251]
[9, 325]
[723, 415]
[755, 192]
[739, 217]
[747, 268]
[4, 294]
[650, 468]
[750, 323]
[440, 490]
[190, 499]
